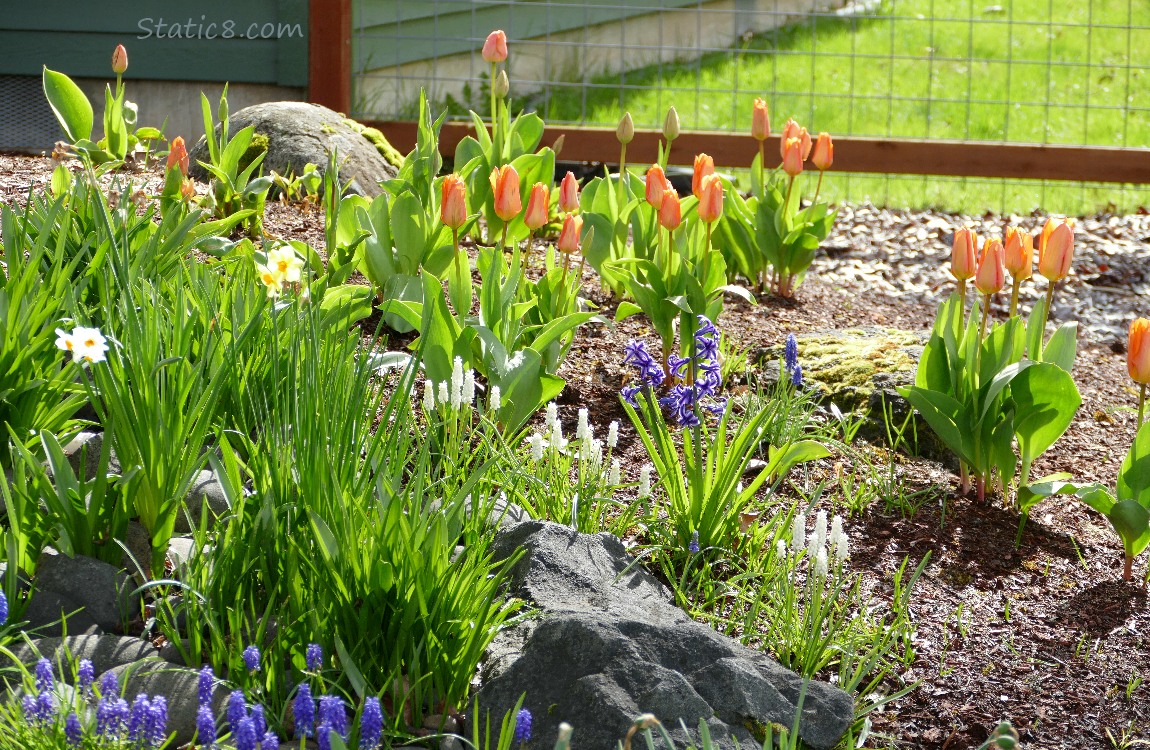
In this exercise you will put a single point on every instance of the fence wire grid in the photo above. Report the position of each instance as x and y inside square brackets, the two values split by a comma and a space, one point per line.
[1026, 71]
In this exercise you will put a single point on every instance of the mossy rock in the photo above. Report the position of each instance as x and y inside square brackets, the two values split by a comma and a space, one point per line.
[377, 139]
[257, 146]
[860, 370]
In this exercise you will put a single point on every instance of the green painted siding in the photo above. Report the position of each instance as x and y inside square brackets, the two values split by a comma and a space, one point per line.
[78, 36]
[396, 32]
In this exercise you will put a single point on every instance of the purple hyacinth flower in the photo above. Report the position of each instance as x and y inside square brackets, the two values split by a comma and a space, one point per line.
[333, 713]
[207, 682]
[157, 721]
[693, 547]
[3, 608]
[205, 727]
[371, 725]
[138, 718]
[314, 657]
[109, 685]
[629, 392]
[304, 709]
[791, 353]
[45, 683]
[244, 735]
[259, 720]
[678, 366]
[270, 742]
[85, 675]
[251, 657]
[706, 327]
[111, 713]
[73, 732]
[797, 376]
[237, 708]
[522, 726]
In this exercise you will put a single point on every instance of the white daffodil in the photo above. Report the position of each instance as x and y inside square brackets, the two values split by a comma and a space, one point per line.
[85, 344]
[272, 279]
[284, 261]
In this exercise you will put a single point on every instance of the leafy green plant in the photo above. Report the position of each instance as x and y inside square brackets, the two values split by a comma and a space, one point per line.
[232, 166]
[303, 188]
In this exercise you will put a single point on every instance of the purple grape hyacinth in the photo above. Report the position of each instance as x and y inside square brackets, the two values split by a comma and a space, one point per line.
[244, 735]
[371, 725]
[522, 726]
[791, 353]
[333, 713]
[205, 726]
[157, 721]
[314, 657]
[237, 708]
[73, 732]
[3, 608]
[85, 675]
[251, 657]
[207, 682]
[693, 547]
[45, 682]
[139, 719]
[111, 714]
[304, 709]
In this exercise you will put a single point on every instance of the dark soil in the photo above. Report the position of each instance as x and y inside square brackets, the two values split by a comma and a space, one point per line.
[1046, 635]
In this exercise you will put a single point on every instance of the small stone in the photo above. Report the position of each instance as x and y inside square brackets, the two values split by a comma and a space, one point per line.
[206, 490]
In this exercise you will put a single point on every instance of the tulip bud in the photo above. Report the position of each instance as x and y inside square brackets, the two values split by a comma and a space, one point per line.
[625, 132]
[1055, 257]
[569, 235]
[704, 165]
[805, 140]
[505, 185]
[793, 157]
[790, 130]
[824, 154]
[991, 269]
[453, 206]
[537, 205]
[495, 48]
[1019, 248]
[656, 186]
[1138, 351]
[187, 190]
[963, 254]
[671, 125]
[178, 155]
[760, 121]
[501, 85]
[711, 199]
[569, 194]
[557, 146]
[670, 211]
[119, 59]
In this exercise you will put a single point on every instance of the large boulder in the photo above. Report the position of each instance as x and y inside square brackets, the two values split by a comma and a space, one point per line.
[295, 134]
[104, 651]
[105, 594]
[179, 685]
[612, 644]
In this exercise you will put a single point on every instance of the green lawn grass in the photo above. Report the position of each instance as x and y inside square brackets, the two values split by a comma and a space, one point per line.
[1032, 71]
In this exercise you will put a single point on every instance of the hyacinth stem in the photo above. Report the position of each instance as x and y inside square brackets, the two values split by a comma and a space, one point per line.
[1014, 297]
[980, 484]
[1141, 407]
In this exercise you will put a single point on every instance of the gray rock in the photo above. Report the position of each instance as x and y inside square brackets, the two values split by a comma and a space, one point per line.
[105, 651]
[83, 453]
[299, 133]
[104, 592]
[179, 685]
[138, 558]
[180, 551]
[170, 652]
[613, 645]
[206, 491]
[47, 614]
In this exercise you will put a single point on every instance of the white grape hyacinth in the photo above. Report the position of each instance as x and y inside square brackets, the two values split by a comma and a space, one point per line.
[583, 430]
[614, 478]
[428, 396]
[799, 532]
[495, 400]
[457, 383]
[645, 480]
[613, 434]
[536, 442]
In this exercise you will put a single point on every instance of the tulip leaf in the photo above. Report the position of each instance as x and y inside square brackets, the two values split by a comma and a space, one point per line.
[1132, 522]
[71, 107]
[1134, 476]
[1062, 347]
[943, 414]
[1046, 400]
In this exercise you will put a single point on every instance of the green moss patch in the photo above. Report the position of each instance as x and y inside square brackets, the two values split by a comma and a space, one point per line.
[382, 145]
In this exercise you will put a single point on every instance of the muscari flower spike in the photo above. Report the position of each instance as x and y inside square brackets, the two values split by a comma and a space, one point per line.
[237, 708]
[791, 353]
[314, 657]
[333, 713]
[522, 726]
[85, 675]
[205, 726]
[207, 680]
[304, 708]
[73, 732]
[693, 547]
[371, 725]
[251, 657]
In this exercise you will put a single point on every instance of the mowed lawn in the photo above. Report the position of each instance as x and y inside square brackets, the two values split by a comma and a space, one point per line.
[1031, 71]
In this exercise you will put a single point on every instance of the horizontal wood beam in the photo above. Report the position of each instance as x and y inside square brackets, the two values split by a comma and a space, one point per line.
[852, 154]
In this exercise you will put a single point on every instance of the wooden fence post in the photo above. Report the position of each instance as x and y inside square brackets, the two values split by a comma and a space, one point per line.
[329, 54]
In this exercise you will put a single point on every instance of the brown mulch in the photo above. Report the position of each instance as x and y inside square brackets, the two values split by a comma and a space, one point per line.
[1046, 635]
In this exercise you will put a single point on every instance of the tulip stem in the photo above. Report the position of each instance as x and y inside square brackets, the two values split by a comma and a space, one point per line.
[981, 336]
[706, 257]
[962, 299]
[1014, 297]
[622, 174]
[818, 187]
[458, 269]
[1128, 568]
[494, 112]
[787, 201]
[1141, 407]
[762, 158]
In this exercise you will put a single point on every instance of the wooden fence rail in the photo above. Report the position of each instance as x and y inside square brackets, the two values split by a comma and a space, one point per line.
[852, 153]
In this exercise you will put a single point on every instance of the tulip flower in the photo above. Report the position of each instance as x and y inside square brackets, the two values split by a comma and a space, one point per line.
[790, 130]
[704, 165]
[760, 121]
[1138, 361]
[119, 60]
[1019, 249]
[502, 85]
[569, 194]
[625, 132]
[495, 48]
[656, 186]
[824, 153]
[671, 126]
[991, 275]
[178, 155]
[453, 206]
[187, 190]
[538, 203]
[1056, 252]
[793, 158]
[508, 204]
[670, 211]
[569, 234]
[711, 199]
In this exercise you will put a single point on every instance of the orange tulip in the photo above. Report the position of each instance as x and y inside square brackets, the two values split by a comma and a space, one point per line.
[991, 268]
[656, 186]
[119, 59]
[1019, 247]
[1138, 357]
[569, 235]
[670, 211]
[711, 199]
[824, 154]
[790, 130]
[793, 157]
[1057, 252]
[569, 194]
[187, 190]
[178, 155]
[963, 255]
[495, 48]
[453, 206]
[537, 204]
[505, 183]
[704, 165]
[760, 121]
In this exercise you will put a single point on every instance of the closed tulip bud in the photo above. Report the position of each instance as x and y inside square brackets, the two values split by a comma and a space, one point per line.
[505, 185]
[1138, 348]
[760, 121]
[1054, 259]
[790, 130]
[671, 125]
[625, 131]
[704, 165]
[963, 254]
[537, 204]
[187, 190]
[495, 48]
[569, 235]
[501, 85]
[711, 200]
[119, 59]
[656, 186]
[793, 157]
[178, 155]
[805, 140]
[824, 154]
[991, 268]
[670, 211]
[569, 194]
[1019, 248]
[453, 206]
[557, 146]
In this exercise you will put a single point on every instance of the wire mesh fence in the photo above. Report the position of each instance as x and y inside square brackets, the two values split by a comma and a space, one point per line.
[1026, 71]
